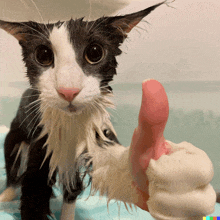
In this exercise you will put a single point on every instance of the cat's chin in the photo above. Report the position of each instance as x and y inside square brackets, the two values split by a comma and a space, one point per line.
[72, 110]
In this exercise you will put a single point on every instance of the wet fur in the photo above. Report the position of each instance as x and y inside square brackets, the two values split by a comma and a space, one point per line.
[57, 140]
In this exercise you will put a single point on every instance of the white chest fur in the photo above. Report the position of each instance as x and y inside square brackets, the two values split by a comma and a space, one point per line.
[71, 135]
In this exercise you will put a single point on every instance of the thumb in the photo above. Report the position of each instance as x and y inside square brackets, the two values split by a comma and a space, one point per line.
[148, 141]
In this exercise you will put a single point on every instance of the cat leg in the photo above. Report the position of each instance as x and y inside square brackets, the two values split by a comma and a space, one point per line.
[69, 199]
[36, 188]
[12, 164]
[68, 211]
[9, 194]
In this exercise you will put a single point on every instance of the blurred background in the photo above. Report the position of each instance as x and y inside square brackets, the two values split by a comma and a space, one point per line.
[179, 46]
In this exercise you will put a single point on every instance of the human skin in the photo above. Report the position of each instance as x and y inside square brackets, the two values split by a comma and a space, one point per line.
[148, 141]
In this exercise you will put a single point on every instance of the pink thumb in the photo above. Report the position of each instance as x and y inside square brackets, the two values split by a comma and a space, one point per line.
[148, 141]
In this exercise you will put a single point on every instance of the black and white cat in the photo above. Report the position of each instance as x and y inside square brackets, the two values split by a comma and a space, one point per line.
[62, 119]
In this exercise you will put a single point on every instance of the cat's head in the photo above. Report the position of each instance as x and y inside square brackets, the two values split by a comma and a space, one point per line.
[72, 62]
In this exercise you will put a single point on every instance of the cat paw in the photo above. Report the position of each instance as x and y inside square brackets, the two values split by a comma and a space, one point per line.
[8, 194]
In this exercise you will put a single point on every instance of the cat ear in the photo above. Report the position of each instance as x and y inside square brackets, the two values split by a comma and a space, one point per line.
[13, 28]
[127, 22]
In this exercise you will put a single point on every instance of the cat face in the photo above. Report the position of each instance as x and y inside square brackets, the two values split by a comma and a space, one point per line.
[71, 63]
[77, 65]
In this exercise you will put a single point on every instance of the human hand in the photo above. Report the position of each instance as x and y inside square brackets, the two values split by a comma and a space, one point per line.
[148, 141]
[176, 184]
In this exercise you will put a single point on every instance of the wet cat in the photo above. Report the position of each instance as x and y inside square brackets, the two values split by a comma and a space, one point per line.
[62, 117]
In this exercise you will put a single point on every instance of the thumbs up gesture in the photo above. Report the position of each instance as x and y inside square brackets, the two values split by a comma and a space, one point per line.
[148, 141]
[178, 181]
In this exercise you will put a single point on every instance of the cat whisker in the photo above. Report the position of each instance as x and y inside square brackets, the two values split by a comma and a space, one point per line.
[112, 83]
[87, 23]
[106, 90]
[31, 28]
[27, 117]
[52, 99]
[36, 101]
[91, 106]
[105, 86]
[34, 124]
[37, 115]
[167, 3]
[37, 108]
[25, 5]
[34, 35]
[98, 23]
[41, 109]
[138, 32]
[33, 88]
[91, 26]
[88, 96]
[145, 21]
[29, 96]
[35, 128]
[47, 31]
[141, 28]
[90, 9]
[98, 106]
[39, 112]
[94, 106]
[38, 11]
[34, 105]
[116, 113]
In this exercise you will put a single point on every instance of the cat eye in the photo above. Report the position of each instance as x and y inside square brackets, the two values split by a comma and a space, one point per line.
[44, 55]
[94, 53]
[107, 132]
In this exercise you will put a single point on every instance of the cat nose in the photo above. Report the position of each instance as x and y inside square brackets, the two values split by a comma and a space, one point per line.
[68, 94]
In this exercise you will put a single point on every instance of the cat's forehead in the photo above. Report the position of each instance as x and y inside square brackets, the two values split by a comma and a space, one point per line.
[77, 31]
[59, 38]
[71, 25]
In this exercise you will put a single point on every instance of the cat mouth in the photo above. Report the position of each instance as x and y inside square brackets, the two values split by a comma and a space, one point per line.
[72, 108]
